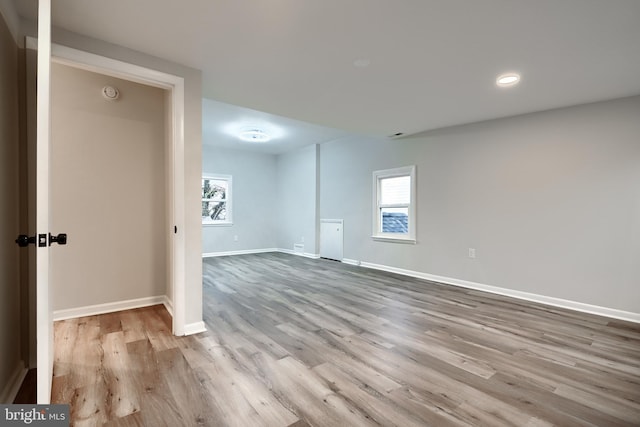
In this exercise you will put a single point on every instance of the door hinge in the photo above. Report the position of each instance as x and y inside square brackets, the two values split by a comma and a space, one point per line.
[175, 229]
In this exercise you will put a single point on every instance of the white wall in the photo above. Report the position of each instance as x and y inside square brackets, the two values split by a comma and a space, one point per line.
[297, 199]
[275, 200]
[254, 199]
[550, 201]
[108, 190]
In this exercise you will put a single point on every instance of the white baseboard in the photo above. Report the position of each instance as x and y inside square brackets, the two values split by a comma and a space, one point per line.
[243, 252]
[350, 261]
[168, 304]
[543, 299]
[91, 310]
[11, 389]
[304, 254]
[194, 328]
[289, 251]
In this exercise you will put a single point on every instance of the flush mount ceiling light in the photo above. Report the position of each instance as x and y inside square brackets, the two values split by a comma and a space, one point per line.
[254, 135]
[253, 130]
[508, 79]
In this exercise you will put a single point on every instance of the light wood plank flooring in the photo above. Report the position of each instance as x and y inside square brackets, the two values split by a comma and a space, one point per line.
[300, 342]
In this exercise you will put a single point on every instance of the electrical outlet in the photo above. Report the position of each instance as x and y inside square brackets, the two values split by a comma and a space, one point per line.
[472, 253]
[235, 238]
[302, 239]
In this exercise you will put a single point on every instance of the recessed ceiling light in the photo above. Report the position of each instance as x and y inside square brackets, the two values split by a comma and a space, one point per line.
[254, 135]
[508, 79]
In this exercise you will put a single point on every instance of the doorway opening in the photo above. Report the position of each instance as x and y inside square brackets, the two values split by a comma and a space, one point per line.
[108, 186]
[172, 88]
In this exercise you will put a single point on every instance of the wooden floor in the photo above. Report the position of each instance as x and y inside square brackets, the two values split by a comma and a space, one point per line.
[300, 342]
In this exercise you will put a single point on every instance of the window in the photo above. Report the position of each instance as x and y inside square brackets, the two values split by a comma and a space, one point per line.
[394, 205]
[216, 200]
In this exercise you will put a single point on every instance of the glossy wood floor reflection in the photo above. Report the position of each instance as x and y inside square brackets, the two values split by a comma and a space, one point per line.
[300, 342]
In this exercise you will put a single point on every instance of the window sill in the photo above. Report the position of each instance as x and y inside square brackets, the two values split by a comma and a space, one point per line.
[218, 224]
[405, 240]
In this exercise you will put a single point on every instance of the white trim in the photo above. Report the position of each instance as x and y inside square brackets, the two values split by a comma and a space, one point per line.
[194, 328]
[350, 261]
[304, 254]
[243, 252]
[179, 239]
[44, 324]
[175, 84]
[386, 238]
[112, 67]
[542, 299]
[168, 304]
[110, 307]
[377, 234]
[308, 255]
[11, 389]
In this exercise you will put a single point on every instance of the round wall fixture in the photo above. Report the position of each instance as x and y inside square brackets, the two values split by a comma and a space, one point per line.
[110, 93]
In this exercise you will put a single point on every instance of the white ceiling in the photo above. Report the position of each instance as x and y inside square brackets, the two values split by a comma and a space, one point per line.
[431, 63]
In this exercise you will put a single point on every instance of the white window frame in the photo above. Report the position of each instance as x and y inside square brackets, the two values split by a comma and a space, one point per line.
[228, 200]
[410, 236]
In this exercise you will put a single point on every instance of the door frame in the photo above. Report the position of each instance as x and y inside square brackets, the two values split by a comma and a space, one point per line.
[44, 320]
[174, 146]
